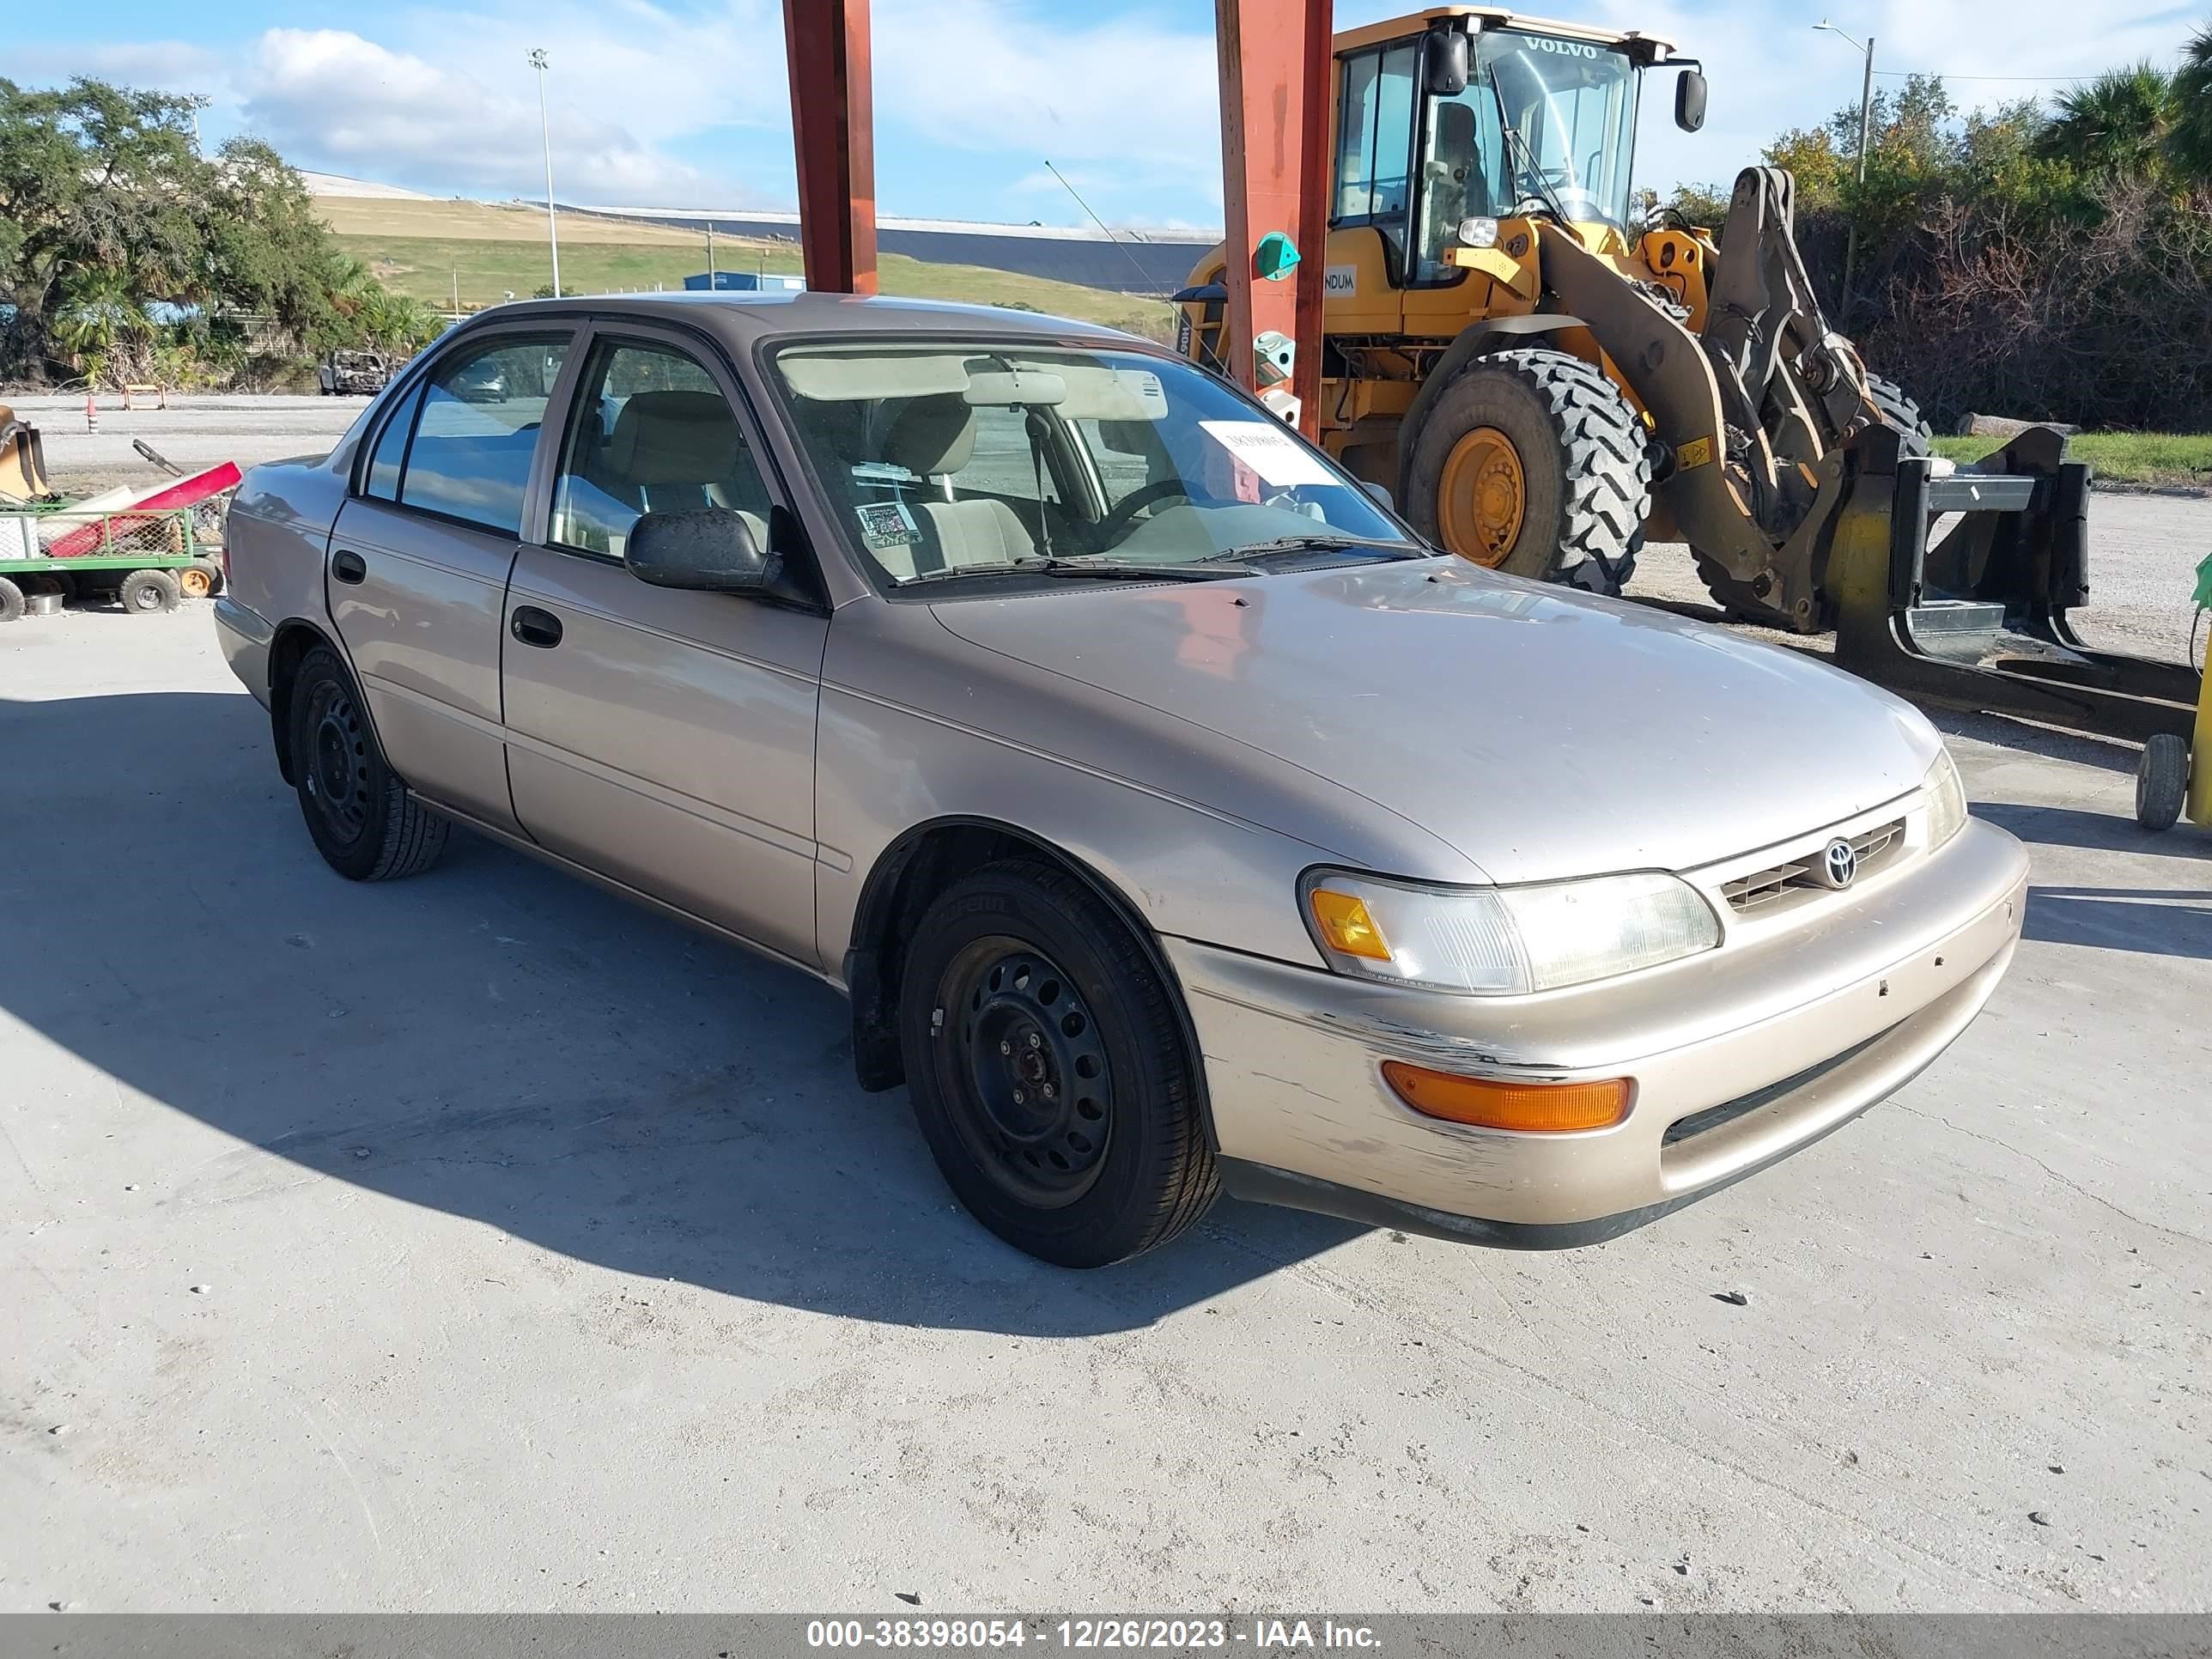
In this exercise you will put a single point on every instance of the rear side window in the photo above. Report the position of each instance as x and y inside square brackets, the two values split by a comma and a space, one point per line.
[392, 449]
[476, 431]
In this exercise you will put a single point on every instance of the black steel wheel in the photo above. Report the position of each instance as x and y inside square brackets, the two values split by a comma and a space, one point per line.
[1028, 1071]
[1050, 1069]
[362, 820]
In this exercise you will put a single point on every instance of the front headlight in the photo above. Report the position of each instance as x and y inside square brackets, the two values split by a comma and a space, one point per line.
[1503, 941]
[1946, 800]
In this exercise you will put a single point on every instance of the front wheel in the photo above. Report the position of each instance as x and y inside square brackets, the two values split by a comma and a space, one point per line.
[1533, 462]
[1049, 1071]
[362, 820]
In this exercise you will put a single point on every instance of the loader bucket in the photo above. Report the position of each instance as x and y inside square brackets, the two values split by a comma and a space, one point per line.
[22, 459]
[1954, 589]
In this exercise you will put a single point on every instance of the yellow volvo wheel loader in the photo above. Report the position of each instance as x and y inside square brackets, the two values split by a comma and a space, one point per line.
[1542, 380]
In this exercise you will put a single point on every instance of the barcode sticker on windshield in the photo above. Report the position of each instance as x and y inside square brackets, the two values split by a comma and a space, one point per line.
[1269, 450]
[886, 525]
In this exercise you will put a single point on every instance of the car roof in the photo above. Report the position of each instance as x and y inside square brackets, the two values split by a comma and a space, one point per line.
[745, 318]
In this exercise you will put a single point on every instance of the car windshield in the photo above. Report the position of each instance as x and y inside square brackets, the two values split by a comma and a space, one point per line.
[948, 458]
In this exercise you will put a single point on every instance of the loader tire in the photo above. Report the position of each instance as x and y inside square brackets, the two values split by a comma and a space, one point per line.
[1531, 462]
[1903, 413]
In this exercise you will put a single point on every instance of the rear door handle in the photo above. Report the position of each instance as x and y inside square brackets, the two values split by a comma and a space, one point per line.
[349, 567]
[535, 626]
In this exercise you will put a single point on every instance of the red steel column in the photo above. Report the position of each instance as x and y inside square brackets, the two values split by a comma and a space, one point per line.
[1274, 60]
[833, 130]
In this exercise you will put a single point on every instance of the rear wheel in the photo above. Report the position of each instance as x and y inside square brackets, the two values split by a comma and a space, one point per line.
[1048, 1069]
[143, 592]
[1533, 462]
[2162, 781]
[362, 820]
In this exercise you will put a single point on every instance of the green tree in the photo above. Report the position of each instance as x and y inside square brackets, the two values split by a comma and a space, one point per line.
[2189, 144]
[108, 206]
[2116, 126]
[95, 182]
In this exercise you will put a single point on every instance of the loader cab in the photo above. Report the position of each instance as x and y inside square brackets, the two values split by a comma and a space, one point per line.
[1473, 116]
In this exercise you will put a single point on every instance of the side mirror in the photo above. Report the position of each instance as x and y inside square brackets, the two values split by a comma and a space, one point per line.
[1690, 100]
[1450, 63]
[709, 550]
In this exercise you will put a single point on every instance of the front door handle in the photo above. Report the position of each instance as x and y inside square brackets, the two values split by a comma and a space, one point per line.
[349, 567]
[535, 626]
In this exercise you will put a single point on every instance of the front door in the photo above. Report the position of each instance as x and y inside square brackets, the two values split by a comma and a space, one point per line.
[418, 562]
[664, 738]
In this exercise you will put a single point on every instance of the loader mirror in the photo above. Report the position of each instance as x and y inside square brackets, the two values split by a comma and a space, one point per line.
[1690, 100]
[1451, 59]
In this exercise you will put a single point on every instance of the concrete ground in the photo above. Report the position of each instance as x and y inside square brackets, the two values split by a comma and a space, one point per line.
[480, 1242]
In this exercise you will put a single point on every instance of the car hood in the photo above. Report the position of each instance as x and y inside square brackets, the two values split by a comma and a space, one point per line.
[1538, 732]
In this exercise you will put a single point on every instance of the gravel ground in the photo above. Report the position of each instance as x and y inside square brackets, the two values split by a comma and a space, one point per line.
[479, 1242]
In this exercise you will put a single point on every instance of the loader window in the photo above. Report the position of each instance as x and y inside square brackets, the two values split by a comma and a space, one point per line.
[1375, 139]
[1573, 104]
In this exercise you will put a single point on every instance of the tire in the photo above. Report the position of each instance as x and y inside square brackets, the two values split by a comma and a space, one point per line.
[2162, 781]
[11, 601]
[1049, 1070]
[200, 579]
[362, 820]
[1903, 413]
[1580, 450]
[143, 593]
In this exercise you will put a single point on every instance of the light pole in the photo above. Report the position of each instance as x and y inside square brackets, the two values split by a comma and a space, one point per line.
[1866, 120]
[545, 137]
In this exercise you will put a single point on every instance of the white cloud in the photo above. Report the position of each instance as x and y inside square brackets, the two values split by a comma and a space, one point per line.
[1135, 102]
[329, 99]
[1127, 104]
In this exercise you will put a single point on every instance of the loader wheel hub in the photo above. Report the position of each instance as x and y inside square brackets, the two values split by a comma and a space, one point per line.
[1481, 496]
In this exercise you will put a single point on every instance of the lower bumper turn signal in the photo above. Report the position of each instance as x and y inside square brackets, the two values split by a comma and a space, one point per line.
[1489, 1104]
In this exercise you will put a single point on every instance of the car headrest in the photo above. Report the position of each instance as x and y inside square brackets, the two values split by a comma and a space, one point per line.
[930, 435]
[675, 438]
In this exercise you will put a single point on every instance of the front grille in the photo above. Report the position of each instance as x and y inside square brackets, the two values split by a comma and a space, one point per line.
[1746, 894]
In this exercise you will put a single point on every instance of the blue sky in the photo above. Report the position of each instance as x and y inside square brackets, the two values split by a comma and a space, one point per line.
[670, 102]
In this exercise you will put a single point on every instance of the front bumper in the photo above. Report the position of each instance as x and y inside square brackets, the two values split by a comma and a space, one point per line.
[1738, 1058]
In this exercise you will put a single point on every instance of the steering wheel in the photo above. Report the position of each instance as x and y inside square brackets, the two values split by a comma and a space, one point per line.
[1115, 522]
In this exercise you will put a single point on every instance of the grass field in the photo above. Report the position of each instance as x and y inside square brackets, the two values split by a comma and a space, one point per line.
[2146, 457]
[425, 248]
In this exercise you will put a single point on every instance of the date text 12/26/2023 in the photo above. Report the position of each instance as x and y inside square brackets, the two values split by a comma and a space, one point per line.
[1252, 1635]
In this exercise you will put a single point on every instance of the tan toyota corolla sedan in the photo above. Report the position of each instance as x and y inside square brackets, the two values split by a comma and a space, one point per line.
[1175, 822]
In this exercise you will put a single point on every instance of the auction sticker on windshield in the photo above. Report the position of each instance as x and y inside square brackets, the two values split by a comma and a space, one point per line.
[887, 525]
[1269, 450]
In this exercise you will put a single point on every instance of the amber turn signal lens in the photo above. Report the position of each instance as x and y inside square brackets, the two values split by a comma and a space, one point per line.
[1347, 926]
[1489, 1104]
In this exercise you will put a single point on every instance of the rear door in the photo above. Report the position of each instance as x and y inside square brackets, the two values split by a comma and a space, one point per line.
[418, 562]
[664, 738]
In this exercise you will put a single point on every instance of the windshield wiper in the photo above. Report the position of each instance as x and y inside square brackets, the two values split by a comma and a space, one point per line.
[1320, 542]
[1527, 158]
[1081, 569]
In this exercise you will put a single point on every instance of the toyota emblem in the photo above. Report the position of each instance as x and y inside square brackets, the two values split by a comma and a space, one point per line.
[1839, 864]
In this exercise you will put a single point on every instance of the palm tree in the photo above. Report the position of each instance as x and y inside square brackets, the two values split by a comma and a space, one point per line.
[2189, 143]
[2119, 124]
